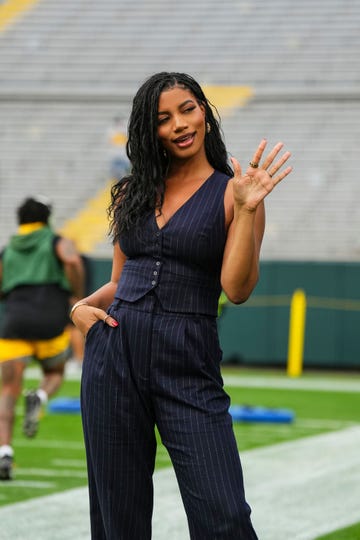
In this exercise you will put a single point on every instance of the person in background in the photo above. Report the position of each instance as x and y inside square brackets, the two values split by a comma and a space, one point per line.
[39, 273]
[77, 350]
[186, 223]
[117, 139]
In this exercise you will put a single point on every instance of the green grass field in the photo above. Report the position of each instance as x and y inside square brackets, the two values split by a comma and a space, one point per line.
[55, 460]
[350, 533]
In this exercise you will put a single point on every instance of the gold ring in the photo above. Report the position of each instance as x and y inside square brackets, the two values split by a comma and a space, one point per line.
[106, 318]
[253, 165]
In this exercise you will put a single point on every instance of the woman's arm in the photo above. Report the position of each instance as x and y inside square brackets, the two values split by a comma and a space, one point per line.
[245, 212]
[240, 268]
[93, 307]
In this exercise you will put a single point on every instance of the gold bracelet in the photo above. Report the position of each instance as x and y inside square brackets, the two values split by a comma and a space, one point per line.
[76, 305]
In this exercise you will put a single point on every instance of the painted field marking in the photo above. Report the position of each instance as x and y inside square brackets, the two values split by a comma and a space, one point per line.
[323, 385]
[27, 484]
[296, 487]
[320, 423]
[62, 516]
[80, 463]
[293, 488]
[63, 473]
[42, 443]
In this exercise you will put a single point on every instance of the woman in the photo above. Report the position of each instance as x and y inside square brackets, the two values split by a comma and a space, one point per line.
[185, 226]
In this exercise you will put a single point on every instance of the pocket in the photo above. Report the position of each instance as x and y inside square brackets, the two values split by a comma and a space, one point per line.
[91, 329]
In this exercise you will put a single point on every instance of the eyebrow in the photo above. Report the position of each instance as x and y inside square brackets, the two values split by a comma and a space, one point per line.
[181, 105]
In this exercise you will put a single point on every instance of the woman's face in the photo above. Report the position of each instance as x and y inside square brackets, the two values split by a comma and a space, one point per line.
[181, 123]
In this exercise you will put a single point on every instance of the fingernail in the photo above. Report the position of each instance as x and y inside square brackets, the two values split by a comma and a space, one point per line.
[114, 323]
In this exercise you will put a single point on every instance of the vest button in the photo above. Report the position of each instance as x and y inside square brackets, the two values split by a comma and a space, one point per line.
[158, 263]
[153, 282]
[155, 273]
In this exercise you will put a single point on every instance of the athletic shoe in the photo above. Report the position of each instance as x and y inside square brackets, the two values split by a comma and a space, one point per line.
[6, 464]
[32, 413]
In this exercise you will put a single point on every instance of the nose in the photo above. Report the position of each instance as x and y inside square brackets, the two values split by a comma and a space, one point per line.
[179, 122]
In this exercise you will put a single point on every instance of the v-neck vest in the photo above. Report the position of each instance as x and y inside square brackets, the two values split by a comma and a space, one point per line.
[181, 262]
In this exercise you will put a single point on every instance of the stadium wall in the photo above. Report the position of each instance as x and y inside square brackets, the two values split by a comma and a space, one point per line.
[256, 333]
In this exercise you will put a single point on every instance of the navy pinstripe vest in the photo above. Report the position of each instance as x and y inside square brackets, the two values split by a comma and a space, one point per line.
[181, 262]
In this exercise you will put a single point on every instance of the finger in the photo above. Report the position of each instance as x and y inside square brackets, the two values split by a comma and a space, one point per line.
[272, 155]
[274, 169]
[258, 154]
[110, 321]
[236, 167]
[282, 175]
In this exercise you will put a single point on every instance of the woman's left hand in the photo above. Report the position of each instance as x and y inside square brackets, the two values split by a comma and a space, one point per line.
[260, 178]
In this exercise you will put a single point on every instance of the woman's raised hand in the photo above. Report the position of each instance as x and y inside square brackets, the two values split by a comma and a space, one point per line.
[260, 178]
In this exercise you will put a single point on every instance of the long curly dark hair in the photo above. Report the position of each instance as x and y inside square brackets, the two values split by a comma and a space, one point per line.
[136, 194]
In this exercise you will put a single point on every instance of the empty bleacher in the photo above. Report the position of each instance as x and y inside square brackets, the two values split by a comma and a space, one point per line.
[67, 68]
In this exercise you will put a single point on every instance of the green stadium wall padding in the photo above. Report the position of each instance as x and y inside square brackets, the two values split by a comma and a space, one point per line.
[256, 332]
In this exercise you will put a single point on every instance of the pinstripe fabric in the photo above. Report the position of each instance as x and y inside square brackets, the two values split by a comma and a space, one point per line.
[162, 367]
[182, 261]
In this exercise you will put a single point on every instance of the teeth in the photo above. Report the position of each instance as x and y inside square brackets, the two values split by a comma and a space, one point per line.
[182, 139]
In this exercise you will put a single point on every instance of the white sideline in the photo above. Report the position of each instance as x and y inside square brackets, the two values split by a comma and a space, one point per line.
[299, 383]
[298, 490]
[319, 383]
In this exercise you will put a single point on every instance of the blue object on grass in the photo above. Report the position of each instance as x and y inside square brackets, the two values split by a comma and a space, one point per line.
[64, 405]
[246, 413]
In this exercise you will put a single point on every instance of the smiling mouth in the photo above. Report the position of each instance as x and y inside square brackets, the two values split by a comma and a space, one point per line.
[184, 140]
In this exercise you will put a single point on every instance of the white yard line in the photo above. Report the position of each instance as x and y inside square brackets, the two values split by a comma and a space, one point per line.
[324, 383]
[56, 473]
[33, 484]
[305, 488]
[76, 463]
[47, 443]
[301, 383]
[298, 490]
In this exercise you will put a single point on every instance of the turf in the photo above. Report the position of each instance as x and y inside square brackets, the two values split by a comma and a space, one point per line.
[55, 460]
[350, 533]
[315, 412]
[52, 461]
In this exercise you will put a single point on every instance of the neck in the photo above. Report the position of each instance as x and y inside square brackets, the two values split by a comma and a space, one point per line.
[187, 171]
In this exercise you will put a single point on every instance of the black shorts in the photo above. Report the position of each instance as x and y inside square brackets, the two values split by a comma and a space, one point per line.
[35, 312]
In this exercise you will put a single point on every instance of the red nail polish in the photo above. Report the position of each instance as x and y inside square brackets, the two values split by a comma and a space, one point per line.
[115, 323]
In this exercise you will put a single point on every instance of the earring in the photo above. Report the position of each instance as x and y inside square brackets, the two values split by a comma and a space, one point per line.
[165, 153]
[208, 127]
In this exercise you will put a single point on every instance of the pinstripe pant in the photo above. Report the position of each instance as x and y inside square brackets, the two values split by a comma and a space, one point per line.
[159, 368]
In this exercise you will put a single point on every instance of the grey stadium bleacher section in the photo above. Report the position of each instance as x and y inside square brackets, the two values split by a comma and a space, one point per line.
[67, 68]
